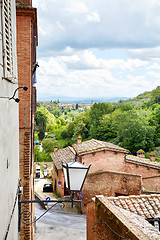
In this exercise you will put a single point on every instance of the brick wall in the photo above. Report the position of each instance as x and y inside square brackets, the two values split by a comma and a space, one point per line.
[104, 160]
[110, 183]
[142, 170]
[151, 184]
[112, 161]
[24, 3]
[25, 18]
[105, 222]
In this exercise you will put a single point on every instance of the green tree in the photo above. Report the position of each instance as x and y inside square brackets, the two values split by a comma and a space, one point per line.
[41, 121]
[134, 131]
[105, 131]
[48, 144]
[155, 95]
[96, 112]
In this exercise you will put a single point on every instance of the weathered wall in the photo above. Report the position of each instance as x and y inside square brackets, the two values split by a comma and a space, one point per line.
[104, 160]
[105, 222]
[26, 3]
[112, 161]
[25, 40]
[142, 170]
[152, 184]
[110, 183]
[9, 144]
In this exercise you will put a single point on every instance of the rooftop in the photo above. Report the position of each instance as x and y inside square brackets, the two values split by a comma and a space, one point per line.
[68, 154]
[142, 161]
[135, 223]
[147, 206]
[65, 155]
[96, 145]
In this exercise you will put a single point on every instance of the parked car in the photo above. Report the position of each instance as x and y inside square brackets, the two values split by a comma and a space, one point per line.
[48, 187]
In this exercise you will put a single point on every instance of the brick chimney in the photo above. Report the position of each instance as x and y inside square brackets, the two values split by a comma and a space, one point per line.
[26, 3]
[55, 148]
[152, 156]
[79, 140]
[141, 153]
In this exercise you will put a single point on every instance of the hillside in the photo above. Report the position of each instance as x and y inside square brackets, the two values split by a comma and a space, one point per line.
[132, 123]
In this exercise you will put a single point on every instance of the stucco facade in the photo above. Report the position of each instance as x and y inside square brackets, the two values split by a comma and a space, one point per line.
[9, 125]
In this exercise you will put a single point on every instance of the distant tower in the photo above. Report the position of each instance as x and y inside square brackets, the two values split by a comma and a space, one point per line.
[92, 102]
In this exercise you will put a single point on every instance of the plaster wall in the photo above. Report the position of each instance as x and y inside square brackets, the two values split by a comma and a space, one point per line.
[9, 147]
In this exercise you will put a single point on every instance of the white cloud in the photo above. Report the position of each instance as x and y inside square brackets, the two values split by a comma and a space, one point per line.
[82, 74]
[94, 17]
[145, 53]
[155, 66]
[87, 60]
[75, 7]
[98, 24]
[68, 32]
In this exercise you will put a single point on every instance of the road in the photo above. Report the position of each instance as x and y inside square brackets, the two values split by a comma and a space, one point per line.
[58, 225]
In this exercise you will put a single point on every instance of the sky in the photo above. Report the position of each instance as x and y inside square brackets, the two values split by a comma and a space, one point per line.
[97, 48]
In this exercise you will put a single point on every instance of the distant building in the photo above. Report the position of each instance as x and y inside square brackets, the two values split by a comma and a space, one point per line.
[26, 56]
[9, 124]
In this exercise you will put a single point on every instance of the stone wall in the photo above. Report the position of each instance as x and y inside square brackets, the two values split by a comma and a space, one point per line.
[111, 183]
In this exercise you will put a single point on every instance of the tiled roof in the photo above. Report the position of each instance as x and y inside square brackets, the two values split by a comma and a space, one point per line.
[142, 161]
[150, 231]
[65, 155]
[68, 154]
[147, 206]
[96, 145]
[135, 223]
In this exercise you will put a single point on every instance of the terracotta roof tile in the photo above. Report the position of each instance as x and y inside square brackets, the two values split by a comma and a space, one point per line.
[150, 231]
[68, 154]
[65, 155]
[142, 161]
[143, 205]
[95, 145]
[136, 224]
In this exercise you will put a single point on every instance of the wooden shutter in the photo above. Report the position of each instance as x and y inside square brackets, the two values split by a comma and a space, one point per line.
[8, 39]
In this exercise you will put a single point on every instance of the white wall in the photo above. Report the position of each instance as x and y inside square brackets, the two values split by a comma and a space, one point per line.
[9, 147]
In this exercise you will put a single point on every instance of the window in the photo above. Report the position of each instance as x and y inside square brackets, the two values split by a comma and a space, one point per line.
[7, 39]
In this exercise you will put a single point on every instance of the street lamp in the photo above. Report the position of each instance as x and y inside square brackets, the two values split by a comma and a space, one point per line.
[75, 174]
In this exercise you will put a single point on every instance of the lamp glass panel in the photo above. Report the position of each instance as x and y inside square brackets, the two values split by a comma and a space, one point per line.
[65, 176]
[76, 177]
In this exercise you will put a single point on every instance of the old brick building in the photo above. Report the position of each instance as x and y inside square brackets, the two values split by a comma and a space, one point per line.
[113, 171]
[110, 218]
[26, 56]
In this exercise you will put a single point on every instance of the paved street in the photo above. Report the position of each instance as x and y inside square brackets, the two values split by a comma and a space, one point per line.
[57, 224]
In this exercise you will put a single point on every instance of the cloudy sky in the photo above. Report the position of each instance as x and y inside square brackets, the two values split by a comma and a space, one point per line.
[98, 48]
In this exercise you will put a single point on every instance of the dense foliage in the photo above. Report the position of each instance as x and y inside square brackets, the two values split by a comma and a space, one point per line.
[132, 124]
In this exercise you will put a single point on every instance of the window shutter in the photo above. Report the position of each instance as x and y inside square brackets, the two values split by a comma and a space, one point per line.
[8, 39]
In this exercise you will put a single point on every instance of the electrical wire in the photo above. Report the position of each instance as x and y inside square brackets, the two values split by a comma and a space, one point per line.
[14, 206]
